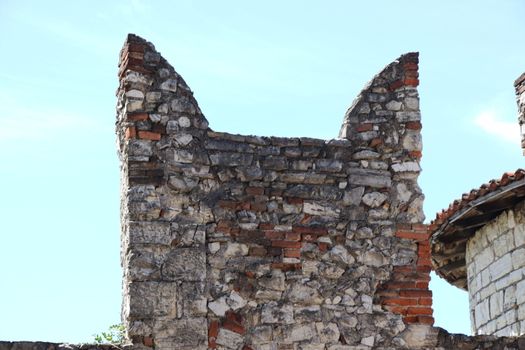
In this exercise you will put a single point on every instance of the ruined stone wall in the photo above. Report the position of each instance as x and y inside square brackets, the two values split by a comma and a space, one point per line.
[519, 84]
[249, 242]
[495, 266]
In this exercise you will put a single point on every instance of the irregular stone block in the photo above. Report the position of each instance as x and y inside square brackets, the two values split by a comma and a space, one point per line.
[188, 264]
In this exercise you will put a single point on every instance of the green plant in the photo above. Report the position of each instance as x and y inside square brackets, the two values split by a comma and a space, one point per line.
[114, 335]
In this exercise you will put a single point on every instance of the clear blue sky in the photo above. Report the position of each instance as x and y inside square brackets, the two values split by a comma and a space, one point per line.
[286, 68]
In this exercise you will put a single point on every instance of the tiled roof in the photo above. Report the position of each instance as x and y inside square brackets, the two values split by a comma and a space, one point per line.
[453, 226]
[466, 198]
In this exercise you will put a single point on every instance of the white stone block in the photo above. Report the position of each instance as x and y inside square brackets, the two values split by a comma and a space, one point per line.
[519, 235]
[482, 313]
[509, 298]
[500, 267]
[496, 305]
[484, 258]
[520, 292]
[503, 244]
[518, 259]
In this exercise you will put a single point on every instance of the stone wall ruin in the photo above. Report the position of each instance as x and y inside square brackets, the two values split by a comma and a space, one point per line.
[233, 241]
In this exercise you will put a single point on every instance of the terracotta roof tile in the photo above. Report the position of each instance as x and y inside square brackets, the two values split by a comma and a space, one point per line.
[466, 198]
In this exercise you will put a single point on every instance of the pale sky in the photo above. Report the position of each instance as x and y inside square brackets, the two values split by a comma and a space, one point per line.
[269, 68]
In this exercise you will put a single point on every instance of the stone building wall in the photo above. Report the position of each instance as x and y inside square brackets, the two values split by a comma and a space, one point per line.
[495, 260]
[519, 84]
[249, 242]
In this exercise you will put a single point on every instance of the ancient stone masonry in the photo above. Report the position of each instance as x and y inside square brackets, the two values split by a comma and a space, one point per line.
[250, 242]
[519, 84]
[496, 261]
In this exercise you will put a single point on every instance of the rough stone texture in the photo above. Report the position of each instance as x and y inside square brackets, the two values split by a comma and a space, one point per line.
[519, 84]
[495, 260]
[26, 345]
[249, 242]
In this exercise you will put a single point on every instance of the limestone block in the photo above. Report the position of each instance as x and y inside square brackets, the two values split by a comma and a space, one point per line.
[375, 181]
[149, 299]
[496, 304]
[520, 292]
[273, 313]
[178, 333]
[518, 259]
[152, 232]
[500, 267]
[482, 312]
[503, 244]
[353, 197]
[519, 234]
[188, 264]
[374, 199]
[300, 332]
[169, 85]
[229, 339]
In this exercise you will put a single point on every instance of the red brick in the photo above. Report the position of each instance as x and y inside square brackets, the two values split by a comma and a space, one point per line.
[425, 269]
[244, 205]
[258, 206]
[425, 320]
[411, 66]
[422, 285]
[258, 251]
[411, 74]
[286, 244]
[416, 293]
[228, 204]
[415, 154]
[131, 132]
[234, 317]
[419, 311]
[413, 125]
[233, 327]
[255, 191]
[135, 117]
[425, 301]
[286, 267]
[249, 274]
[364, 127]
[274, 235]
[293, 200]
[412, 82]
[400, 301]
[148, 341]
[246, 347]
[420, 227]
[148, 135]
[410, 319]
[292, 236]
[412, 235]
[397, 309]
[292, 253]
[323, 246]
[376, 142]
[135, 47]
[404, 268]
[266, 226]
[310, 229]
[213, 331]
[400, 285]
[134, 62]
[422, 262]
[395, 85]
